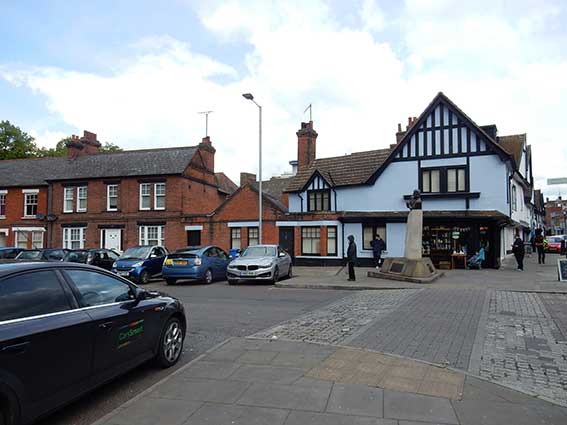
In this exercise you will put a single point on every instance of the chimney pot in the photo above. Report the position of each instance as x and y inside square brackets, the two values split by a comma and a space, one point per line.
[399, 127]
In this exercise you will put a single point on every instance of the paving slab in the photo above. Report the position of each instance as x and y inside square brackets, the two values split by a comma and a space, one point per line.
[211, 370]
[223, 414]
[401, 405]
[473, 412]
[197, 389]
[306, 397]
[152, 411]
[356, 400]
[309, 418]
[269, 374]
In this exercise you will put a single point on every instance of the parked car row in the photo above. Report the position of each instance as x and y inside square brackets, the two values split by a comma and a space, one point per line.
[197, 263]
[554, 243]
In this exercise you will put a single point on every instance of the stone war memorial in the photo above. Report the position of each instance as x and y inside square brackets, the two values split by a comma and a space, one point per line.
[412, 267]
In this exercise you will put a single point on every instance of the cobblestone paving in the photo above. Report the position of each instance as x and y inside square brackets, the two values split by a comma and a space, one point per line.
[524, 347]
[556, 305]
[436, 325]
[340, 321]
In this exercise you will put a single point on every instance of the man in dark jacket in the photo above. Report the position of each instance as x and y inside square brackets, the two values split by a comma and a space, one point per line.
[378, 245]
[351, 258]
[539, 242]
[519, 251]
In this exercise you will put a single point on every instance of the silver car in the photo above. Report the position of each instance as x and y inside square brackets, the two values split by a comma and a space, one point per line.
[260, 262]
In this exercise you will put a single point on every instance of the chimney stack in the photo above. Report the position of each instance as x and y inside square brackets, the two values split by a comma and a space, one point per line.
[79, 146]
[306, 145]
[400, 134]
[208, 153]
[247, 178]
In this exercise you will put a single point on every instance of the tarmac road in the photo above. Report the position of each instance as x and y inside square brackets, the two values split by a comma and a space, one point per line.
[216, 312]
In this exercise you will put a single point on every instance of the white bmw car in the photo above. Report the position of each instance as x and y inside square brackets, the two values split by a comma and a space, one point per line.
[260, 262]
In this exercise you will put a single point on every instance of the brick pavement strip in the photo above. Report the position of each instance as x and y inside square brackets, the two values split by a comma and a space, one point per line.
[524, 346]
[341, 320]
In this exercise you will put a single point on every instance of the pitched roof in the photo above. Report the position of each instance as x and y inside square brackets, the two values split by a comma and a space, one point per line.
[269, 195]
[225, 184]
[146, 162]
[514, 145]
[275, 186]
[28, 172]
[345, 170]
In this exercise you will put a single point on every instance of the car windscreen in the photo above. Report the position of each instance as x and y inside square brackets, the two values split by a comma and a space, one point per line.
[136, 253]
[554, 240]
[77, 256]
[260, 251]
[29, 255]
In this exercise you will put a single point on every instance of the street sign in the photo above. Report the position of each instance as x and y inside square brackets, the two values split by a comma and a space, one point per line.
[560, 180]
[562, 269]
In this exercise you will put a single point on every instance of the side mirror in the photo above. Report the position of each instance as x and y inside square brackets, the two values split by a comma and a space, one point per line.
[140, 294]
[282, 254]
[153, 255]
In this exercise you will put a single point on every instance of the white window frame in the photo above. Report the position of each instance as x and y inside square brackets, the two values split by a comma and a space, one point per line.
[143, 235]
[156, 196]
[68, 237]
[66, 192]
[108, 208]
[3, 196]
[26, 203]
[149, 196]
[79, 198]
[17, 239]
[34, 239]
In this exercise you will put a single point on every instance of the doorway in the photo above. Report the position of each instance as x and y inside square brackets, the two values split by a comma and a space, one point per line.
[193, 237]
[286, 239]
[112, 239]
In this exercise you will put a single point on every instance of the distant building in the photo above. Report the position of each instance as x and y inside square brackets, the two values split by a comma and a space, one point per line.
[556, 216]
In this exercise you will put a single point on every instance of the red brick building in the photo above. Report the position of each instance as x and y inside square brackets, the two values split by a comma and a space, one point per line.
[23, 202]
[112, 200]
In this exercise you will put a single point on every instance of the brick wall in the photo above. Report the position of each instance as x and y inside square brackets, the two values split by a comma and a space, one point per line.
[14, 216]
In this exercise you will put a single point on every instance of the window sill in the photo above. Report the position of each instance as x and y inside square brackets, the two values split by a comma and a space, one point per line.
[29, 217]
[446, 195]
[2, 217]
[112, 210]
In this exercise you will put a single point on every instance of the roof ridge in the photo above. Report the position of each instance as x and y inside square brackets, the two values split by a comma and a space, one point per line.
[353, 153]
[142, 150]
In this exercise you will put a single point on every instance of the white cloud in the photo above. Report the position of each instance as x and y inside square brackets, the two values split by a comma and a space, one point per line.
[490, 61]
[47, 139]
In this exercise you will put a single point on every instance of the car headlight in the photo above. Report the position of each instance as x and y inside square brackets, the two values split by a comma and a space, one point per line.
[138, 264]
[265, 266]
[168, 262]
[114, 265]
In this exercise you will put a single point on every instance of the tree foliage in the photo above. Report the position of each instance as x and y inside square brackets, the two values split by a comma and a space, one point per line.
[15, 143]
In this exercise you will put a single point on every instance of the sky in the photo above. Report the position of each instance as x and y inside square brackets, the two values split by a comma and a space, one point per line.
[138, 72]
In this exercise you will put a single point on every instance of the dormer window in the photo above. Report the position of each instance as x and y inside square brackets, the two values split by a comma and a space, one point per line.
[319, 200]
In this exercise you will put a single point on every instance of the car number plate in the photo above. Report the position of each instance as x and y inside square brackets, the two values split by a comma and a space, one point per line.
[180, 262]
[247, 274]
[123, 273]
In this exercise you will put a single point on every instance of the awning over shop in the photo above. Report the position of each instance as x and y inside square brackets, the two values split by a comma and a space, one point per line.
[401, 216]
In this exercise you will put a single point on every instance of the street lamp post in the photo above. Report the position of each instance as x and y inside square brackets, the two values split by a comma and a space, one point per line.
[251, 98]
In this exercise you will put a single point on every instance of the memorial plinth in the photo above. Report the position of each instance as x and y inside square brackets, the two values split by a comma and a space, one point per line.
[412, 267]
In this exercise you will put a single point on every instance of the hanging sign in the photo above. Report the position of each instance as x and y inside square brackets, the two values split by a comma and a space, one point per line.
[456, 235]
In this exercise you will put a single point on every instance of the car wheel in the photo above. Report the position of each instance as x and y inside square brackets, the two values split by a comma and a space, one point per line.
[170, 281]
[208, 277]
[170, 343]
[290, 272]
[276, 275]
[144, 277]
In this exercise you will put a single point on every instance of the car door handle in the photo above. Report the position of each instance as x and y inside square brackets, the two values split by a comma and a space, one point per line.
[16, 348]
[106, 325]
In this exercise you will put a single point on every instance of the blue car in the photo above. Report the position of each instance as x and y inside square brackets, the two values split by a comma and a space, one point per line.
[202, 263]
[140, 263]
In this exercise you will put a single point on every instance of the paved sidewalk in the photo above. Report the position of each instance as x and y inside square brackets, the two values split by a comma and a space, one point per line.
[535, 278]
[263, 382]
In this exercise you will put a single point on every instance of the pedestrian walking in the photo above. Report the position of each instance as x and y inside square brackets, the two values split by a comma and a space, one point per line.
[539, 241]
[351, 258]
[519, 251]
[378, 245]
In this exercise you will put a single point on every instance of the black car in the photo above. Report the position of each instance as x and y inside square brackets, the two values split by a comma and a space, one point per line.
[44, 254]
[67, 328]
[103, 258]
[9, 253]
